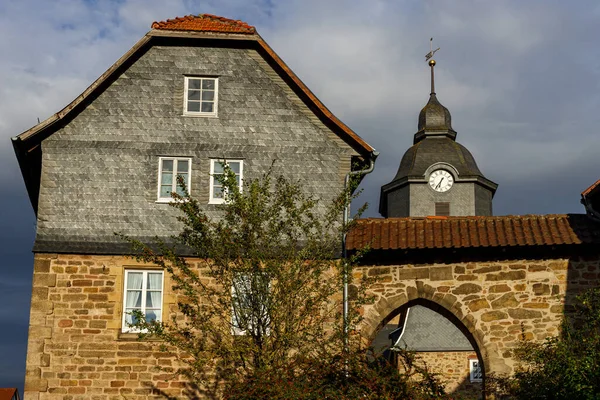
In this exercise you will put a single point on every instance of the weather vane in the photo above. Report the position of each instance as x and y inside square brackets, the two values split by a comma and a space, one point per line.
[429, 57]
[431, 51]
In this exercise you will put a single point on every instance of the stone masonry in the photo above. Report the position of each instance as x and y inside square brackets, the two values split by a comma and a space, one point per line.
[497, 302]
[76, 349]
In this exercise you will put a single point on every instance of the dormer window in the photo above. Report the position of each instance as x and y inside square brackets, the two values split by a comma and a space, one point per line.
[200, 96]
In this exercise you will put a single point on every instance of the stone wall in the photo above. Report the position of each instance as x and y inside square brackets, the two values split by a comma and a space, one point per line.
[494, 301]
[453, 366]
[76, 349]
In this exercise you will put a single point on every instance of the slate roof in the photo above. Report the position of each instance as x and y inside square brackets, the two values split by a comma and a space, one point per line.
[191, 28]
[434, 119]
[423, 154]
[427, 330]
[473, 232]
[205, 23]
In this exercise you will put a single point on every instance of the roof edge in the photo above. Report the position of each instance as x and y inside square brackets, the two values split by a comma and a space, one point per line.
[47, 123]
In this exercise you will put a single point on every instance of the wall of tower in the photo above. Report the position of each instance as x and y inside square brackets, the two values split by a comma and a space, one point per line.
[399, 203]
[483, 201]
[461, 198]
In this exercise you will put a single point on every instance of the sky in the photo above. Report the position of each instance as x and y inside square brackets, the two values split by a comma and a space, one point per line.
[521, 79]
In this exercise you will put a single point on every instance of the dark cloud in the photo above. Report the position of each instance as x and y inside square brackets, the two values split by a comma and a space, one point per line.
[520, 78]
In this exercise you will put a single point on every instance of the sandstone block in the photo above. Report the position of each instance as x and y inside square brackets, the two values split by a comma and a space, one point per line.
[493, 316]
[519, 313]
[36, 385]
[44, 280]
[469, 277]
[413, 273]
[377, 271]
[499, 288]
[541, 289]
[39, 293]
[484, 270]
[459, 270]
[506, 276]
[505, 301]
[477, 305]
[536, 305]
[467, 288]
[440, 273]
[40, 265]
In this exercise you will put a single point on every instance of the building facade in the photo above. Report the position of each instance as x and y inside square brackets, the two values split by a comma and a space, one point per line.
[193, 94]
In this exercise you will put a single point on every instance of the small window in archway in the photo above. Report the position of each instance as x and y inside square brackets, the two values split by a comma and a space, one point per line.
[476, 375]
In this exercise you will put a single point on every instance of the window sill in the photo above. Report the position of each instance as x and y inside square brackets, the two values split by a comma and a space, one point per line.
[199, 115]
[169, 201]
[135, 336]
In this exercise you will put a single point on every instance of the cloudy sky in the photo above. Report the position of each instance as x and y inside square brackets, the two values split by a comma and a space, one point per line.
[521, 80]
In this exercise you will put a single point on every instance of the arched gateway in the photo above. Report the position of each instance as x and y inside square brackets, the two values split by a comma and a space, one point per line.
[497, 278]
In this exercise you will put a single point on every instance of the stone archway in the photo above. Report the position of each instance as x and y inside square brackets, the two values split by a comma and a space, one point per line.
[377, 315]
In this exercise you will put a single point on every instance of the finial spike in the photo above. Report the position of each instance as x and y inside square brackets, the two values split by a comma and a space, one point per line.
[429, 57]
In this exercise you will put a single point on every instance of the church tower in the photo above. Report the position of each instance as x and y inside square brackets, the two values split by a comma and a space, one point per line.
[437, 175]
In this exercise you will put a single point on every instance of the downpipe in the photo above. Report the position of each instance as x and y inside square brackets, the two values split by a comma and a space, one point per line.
[345, 276]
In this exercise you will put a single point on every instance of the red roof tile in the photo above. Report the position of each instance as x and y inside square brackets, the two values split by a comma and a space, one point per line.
[591, 188]
[470, 232]
[205, 23]
[7, 393]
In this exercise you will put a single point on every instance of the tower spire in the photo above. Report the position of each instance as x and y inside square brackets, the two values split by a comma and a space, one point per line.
[429, 57]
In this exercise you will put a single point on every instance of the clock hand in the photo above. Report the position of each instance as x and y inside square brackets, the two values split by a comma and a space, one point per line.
[438, 185]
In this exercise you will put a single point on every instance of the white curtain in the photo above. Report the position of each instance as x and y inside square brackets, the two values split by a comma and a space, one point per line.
[153, 305]
[134, 295]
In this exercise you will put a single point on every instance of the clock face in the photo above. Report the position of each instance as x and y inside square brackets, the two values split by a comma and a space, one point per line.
[441, 180]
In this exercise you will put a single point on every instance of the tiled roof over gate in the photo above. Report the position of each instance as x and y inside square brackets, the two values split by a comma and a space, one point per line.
[205, 23]
[469, 232]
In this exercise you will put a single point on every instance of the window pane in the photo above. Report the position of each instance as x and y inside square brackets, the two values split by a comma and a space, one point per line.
[153, 299]
[217, 192]
[193, 83]
[154, 281]
[167, 178]
[208, 84]
[134, 280]
[208, 95]
[207, 107]
[218, 167]
[129, 318]
[153, 315]
[193, 95]
[235, 166]
[165, 191]
[167, 165]
[182, 165]
[179, 190]
[134, 298]
[237, 179]
[193, 106]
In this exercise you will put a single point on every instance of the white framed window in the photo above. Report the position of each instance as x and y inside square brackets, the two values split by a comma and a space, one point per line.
[249, 308]
[200, 97]
[217, 192]
[144, 292]
[475, 372]
[168, 170]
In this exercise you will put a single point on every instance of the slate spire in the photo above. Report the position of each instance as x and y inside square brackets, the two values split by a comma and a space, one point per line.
[434, 118]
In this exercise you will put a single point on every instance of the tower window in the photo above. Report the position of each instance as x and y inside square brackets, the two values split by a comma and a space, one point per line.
[442, 209]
